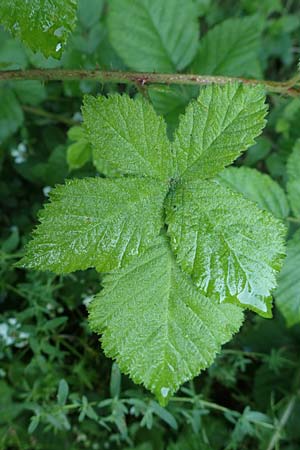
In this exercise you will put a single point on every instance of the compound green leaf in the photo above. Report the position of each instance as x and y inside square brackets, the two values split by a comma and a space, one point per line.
[157, 325]
[157, 35]
[230, 49]
[217, 127]
[287, 294]
[128, 135]
[43, 25]
[258, 187]
[293, 184]
[230, 247]
[96, 222]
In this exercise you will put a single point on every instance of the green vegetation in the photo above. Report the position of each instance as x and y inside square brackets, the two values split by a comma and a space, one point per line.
[121, 219]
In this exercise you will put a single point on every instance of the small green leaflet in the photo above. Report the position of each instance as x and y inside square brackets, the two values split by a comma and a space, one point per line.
[217, 127]
[293, 184]
[287, 294]
[129, 136]
[258, 187]
[157, 36]
[96, 222]
[230, 48]
[164, 315]
[230, 247]
[157, 325]
[79, 152]
[43, 25]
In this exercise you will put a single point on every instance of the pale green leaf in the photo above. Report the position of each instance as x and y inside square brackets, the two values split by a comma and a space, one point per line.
[230, 247]
[230, 48]
[128, 135]
[293, 184]
[287, 294]
[96, 222]
[30, 92]
[80, 152]
[157, 325]
[258, 187]
[154, 35]
[11, 114]
[43, 25]
[217, 127]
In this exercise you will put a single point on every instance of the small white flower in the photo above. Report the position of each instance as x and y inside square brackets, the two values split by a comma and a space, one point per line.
[19, 153]
[87, 300]
[46, 190]
[4, 334]
[12, 321]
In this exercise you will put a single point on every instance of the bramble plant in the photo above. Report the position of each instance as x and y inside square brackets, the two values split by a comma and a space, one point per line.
[157, 192]
[164, 312]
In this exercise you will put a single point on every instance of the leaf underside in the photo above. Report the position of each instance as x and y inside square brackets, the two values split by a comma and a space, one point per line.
[161, 330]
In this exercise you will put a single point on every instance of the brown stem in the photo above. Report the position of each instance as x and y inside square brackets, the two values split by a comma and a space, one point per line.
[290, 87]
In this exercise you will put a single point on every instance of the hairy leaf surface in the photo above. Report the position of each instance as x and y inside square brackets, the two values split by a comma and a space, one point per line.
[258, 187]
[96, 222]
[43, 25]
[230, 49]
[230, 247]
[288, 292]
[157, 325]
[128, 135]
[217, 127]
[157, 35]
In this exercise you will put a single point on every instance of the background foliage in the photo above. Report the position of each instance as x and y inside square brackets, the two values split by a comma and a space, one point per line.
[57, 390]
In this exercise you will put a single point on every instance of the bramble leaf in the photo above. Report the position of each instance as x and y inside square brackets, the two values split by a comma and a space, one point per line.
[258, 187]
[157, 325]
[217, 128]
[43, 25]
[293, 184]
[230, 48]
[157, 36]
[128, 135]
[288, 292]
[96, 222]
[230, 247]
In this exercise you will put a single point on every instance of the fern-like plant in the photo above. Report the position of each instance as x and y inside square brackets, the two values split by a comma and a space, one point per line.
[182, 254]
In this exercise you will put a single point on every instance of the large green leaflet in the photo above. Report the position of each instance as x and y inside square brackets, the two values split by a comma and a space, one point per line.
[217, 127]
[230, 48]
[230, 247]
[288, 292]
[43, 25]
[258, 187]
[152, 312]
[129, 136]
[96, 222]
[157, 325]
[154, 35]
